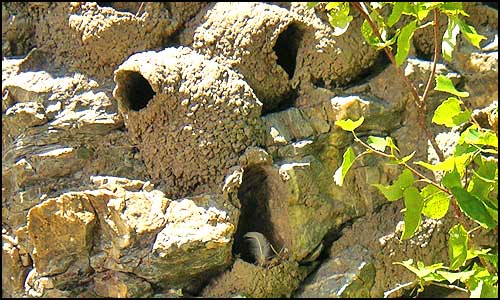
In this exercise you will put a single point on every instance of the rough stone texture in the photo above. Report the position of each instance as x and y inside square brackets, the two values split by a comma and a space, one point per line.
[284, 202]
[325, 60]
[56, 132]
[128, 233]
[277, 49]
[84, 31]
[67, 235]
[252, 281]
[360, 262]
[112, 284]
[479, 67]
[15, 263]
[203, 114]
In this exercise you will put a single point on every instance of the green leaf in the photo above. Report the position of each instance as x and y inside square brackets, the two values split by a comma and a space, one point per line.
[338, 17]
[484, 289]
[443, 115]
[473, 207]
[436, 202]
[444, 84]
[452, 277]
[471, 253]
[368, 34]
[452, 179]
[473, 136]
[491, 257]
[349, 125]
[404, 40]
[333, 5]
[457, 246]
[311, 4]
[347, 162]
[460, 162]
[377, 143]
[395, 191]
[390, 144]
[484, 179]
[450, 114]
[422, 11]
[421, 271]
[470, 34]
[396, 13]
[403, 160]
[413, 209]
[450, 38]
[453, 9]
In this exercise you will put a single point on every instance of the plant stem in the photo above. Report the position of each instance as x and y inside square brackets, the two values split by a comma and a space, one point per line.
[449, 286]
[436, 56]
[417, 173]
[418, 101]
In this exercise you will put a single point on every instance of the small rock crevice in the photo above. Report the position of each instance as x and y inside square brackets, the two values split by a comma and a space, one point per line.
[254, 195]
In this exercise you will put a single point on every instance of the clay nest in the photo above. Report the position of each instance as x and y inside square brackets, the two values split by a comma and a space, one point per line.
[191, 118]
[281, 53]
[91, 37]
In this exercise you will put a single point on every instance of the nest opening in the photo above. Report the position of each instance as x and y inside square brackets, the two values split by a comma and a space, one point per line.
[137, 92]
[254, 197]
[286, 48]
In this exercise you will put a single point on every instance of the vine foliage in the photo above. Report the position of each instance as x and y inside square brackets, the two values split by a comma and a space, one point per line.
[469, 177]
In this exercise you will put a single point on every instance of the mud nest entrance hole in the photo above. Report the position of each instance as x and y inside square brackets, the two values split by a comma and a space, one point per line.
[287, 47]
[254, 196]
[137, 91]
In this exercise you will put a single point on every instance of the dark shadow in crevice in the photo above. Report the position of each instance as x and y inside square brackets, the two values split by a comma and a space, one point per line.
[491, 4]
[318, 83]
[137, 92]
[424, 55]
[254, 198]
[287, 102]
[286, 48]
[380, 64]
[128, 7]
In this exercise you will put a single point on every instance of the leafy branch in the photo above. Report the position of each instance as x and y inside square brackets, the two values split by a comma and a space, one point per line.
[469, 179]
[419, 101]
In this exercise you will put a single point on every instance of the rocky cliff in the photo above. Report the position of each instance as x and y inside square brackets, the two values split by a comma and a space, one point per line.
[142, 141]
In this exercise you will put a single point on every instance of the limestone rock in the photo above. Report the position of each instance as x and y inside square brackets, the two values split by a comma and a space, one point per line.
[60, 233]
[285, 203]
[129, 235]
[252, 281]
[368, 249]
[112, 284]
[56, 132]
[350, 274]
[15, 264]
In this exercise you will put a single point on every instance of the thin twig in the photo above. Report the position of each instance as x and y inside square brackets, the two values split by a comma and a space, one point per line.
[404, 164]
[449, 286]
[139, 10]
[436, 57]
[413, 91]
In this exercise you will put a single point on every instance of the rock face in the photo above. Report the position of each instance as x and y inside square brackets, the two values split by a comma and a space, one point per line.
[128, 233]
[142, 141]
[360, 262]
